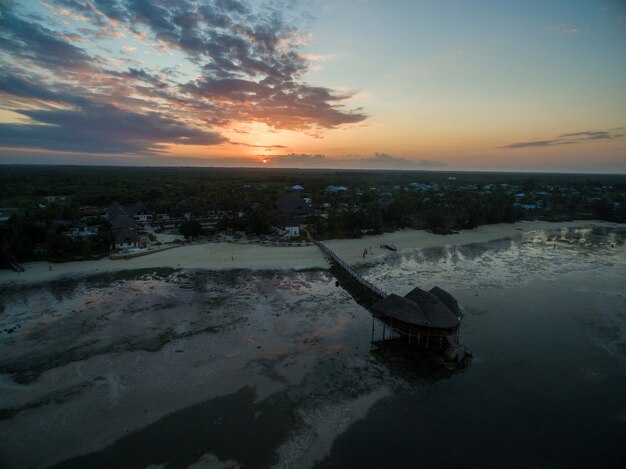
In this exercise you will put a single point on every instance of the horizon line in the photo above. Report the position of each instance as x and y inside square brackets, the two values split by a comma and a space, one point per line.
[270, 168]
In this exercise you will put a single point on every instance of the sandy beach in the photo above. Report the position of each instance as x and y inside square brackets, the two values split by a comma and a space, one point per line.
[219, 256]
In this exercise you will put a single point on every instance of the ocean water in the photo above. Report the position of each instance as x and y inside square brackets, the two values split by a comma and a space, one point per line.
[179, 368]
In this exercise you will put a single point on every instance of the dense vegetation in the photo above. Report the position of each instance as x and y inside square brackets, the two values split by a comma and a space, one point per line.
[244, 199]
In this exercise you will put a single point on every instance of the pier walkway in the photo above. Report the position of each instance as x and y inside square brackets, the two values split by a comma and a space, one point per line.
[340, 263]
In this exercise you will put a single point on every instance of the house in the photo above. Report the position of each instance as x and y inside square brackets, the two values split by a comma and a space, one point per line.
[163, 216]
[336, 188]
[297, 187]
[125, 238]
[123, 226]
[424, 186]
[140, 213]
[112, 212]
[55, 198]
[290, 207]
[526, 206]
[143, 217]
[78, 234]
[124, 232]
[289, 230]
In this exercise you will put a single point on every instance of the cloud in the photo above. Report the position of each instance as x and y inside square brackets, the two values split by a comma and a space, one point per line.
[251, 67]
[236, 62]
[564, 28]
[568, 139]
[31, 41]
[91, 126]
[590, 135]
[319, 161]
[268, 147]
[377, 161]
[382, 159]
[65, 158]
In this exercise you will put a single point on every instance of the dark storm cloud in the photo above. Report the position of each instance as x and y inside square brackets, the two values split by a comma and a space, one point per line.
[17, 86]
[568, 139]
[92, 126]
[102, 128]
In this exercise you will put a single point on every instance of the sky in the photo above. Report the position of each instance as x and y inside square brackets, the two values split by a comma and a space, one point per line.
[372, 84]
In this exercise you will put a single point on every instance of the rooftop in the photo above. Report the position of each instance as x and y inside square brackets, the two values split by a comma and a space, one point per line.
[436, 308]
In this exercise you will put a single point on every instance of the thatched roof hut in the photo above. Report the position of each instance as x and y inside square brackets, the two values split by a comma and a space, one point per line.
[113, 211]
[421, 308]
[448, 300]
[292, 205]
[402, 309]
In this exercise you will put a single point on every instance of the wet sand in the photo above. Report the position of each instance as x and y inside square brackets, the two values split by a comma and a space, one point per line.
[256, 368]
[220, 256]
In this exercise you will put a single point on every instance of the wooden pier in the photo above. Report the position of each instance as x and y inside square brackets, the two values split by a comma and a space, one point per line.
[425, 320]
[334, 258]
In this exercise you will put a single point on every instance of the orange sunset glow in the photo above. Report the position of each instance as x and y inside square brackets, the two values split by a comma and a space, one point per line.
[504, 90]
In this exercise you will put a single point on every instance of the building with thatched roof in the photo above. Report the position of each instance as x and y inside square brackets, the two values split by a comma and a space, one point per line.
[123, 226]
[125, 238]
[113, 211]
[429, 319]
[290, 207]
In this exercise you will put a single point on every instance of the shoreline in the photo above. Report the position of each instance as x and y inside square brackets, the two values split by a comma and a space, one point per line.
[225, 256]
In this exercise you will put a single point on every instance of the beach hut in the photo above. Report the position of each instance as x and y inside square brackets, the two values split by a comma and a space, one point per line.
[426, 319]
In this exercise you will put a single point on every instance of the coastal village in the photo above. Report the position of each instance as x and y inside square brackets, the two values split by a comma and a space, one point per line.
[58, 228]
[426, 320]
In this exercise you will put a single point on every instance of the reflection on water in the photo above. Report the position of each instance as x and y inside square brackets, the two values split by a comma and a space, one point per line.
[501, 263]
[256, 369]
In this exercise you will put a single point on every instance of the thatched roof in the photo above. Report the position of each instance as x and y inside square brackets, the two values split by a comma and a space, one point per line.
[292, 205]
[138, 208]
[420, 308]
[400, 308]
[122, 222]
[114, 210]
[126, 236]
[448, 300]
[435, 309]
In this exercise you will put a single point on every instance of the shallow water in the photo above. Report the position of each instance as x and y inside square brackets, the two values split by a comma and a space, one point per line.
[257, 369]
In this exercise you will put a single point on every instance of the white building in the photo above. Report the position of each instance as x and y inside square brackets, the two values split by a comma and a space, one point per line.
[289, 231]
[143, 218]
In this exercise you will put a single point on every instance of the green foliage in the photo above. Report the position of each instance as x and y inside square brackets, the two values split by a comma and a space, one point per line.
[190, 229]
[377, 201]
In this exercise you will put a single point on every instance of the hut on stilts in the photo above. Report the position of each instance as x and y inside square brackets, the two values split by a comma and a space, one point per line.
[426, 320]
